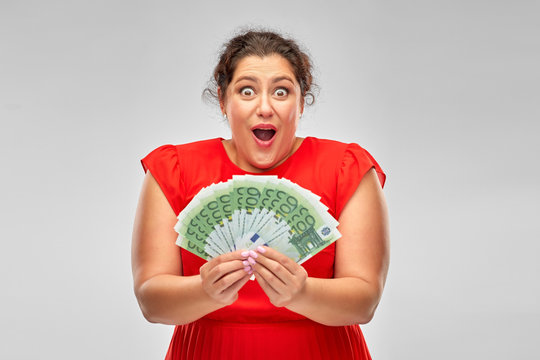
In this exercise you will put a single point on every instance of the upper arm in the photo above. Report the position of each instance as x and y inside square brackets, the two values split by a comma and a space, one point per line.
[363, 249]
[154, 249]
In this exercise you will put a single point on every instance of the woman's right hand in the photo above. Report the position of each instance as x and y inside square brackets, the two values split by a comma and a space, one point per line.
[223, 276]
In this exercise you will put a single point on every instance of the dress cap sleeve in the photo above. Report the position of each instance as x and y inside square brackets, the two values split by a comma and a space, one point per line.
[356, 163]
[164, 166]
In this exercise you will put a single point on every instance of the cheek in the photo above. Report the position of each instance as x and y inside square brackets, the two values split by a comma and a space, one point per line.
[237, 111]
[291, 112]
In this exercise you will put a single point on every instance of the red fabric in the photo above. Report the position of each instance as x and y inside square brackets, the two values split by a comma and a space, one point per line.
[328, 168]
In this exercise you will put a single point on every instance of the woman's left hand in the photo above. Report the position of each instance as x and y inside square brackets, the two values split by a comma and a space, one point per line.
[280, 277]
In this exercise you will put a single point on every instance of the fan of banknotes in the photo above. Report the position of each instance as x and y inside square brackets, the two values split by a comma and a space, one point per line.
[248, 211]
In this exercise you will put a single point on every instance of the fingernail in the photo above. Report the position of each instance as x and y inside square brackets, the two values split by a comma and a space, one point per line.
[251, 261]
[250, 272]
[248, 269]
[245, 253]
[261, 249]
[253, 254]
[245, 262]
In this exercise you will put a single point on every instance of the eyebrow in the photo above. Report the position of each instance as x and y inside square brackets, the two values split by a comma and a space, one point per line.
[275, 80]
[249, 78]
[279, 78]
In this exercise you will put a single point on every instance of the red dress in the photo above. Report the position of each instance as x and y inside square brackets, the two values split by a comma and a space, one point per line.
[252, 327]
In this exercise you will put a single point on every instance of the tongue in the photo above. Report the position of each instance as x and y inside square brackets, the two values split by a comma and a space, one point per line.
[264, 134]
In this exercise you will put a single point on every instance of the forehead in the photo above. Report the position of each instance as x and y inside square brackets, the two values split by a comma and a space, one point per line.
[264, 67]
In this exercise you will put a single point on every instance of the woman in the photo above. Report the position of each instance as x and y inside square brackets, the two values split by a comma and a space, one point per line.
[306, 311]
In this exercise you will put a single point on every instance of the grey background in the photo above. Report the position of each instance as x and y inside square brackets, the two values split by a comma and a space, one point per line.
[444, 94]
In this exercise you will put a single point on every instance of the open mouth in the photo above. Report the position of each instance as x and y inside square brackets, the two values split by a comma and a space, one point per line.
[264, 134]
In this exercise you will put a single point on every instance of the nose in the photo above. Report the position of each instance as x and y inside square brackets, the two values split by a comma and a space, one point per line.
[264, 108]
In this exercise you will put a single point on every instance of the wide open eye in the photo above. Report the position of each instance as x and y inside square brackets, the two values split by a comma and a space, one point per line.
[247, 91]
[281, 92]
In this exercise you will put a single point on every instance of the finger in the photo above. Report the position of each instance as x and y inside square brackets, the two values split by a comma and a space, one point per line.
[234, 255]
[275, 267]
[235, 287]
[223, 269]
[276, 283]
[209, 267]
[270, 268]
[229, 280]
[275, 255]
[267, 288]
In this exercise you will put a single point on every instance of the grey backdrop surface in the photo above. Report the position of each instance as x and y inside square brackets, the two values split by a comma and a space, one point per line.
[444, 94]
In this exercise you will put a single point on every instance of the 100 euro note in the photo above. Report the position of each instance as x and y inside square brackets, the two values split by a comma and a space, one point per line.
[204, 218]
[309, 226]
[248, 211]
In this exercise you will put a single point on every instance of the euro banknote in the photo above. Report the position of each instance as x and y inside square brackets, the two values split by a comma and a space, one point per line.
[248, 211]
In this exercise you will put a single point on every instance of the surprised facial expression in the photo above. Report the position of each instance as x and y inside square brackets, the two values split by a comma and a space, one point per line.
[263, 103]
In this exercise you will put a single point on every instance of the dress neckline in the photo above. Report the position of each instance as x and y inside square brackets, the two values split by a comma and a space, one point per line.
[273, 171]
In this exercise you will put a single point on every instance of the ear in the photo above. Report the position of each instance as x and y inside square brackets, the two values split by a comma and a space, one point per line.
[221, 101]
[302, 105]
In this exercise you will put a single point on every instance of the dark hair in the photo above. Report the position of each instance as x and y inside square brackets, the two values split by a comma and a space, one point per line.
[260, 43]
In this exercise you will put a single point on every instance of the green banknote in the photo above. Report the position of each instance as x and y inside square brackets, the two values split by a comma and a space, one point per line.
[248, 211]
[196, 226]
[310, 228]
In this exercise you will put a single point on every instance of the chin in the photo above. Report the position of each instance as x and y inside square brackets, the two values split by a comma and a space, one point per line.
[260, 167]
[263, 164]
